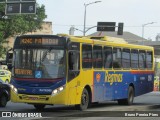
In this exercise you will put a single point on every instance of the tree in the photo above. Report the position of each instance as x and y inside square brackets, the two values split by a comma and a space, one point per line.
[19, 24]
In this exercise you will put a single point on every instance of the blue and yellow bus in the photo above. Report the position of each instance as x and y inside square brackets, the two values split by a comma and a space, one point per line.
[70, 70]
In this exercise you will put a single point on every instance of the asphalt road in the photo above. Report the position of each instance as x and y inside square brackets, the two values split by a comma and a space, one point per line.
[148, 103]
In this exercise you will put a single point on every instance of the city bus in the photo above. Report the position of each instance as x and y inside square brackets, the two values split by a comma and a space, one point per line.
[79, 71]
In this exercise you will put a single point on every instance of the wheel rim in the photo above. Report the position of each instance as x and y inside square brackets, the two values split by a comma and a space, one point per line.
[131, 97]
[84, 99]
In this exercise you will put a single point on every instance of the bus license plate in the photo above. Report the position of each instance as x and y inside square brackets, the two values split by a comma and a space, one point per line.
[33, 98]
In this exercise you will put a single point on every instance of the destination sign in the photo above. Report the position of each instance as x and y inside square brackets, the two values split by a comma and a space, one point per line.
[23, 72]
[39, 41]
[42, 41]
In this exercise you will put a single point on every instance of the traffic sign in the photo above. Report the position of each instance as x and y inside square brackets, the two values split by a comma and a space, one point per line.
[28, 8]
[12, 8]
[20, 7]
[106, 26]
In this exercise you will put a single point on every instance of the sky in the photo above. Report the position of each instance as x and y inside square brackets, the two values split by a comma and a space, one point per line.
[133, 13]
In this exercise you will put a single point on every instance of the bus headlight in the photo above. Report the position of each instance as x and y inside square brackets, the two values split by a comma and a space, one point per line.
[56, 91]
[14, 88]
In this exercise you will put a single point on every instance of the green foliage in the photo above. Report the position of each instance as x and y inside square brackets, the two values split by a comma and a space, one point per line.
[19, 24]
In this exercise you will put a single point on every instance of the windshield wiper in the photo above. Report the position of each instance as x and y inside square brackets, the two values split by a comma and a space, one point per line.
[45, 53]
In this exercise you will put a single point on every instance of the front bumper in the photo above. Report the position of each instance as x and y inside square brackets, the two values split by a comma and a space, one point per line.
[59, 98]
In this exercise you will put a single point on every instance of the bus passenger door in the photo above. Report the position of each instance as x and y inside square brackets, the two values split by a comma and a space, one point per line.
[73, 72]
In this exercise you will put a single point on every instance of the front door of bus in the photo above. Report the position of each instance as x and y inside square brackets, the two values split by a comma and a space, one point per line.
[73, 71]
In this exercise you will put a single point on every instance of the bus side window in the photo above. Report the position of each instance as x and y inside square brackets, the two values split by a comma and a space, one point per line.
[107, 57]
[134, 59]
[149, 59]
[117, 58]
[73, 60]
[86, 56]
[126, 58]
[142, 59]
[97, 57]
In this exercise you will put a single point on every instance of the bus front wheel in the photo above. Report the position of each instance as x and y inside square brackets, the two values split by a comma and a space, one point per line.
[39, 106]
[129, 100]
[84, 100]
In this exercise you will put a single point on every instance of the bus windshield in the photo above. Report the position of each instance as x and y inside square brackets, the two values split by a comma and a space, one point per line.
[39, 63]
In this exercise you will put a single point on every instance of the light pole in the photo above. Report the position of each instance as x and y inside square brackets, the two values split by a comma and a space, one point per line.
[85, 5]
[143, 29]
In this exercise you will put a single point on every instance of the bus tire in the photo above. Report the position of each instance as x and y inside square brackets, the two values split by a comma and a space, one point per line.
[39, 107]
[84, 100]
[129, 100]
[130, 96]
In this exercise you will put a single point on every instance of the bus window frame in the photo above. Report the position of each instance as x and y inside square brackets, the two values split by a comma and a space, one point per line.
[102, 64]
[107, 68]
[131, 51]
[91, 56]
[129, 58]
[73, 73]
[144, 62]
[149, 68]
[120, 66]
[72, 59]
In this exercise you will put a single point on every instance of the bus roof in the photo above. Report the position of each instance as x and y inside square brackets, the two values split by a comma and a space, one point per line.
[106, 40]
[100, 40]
